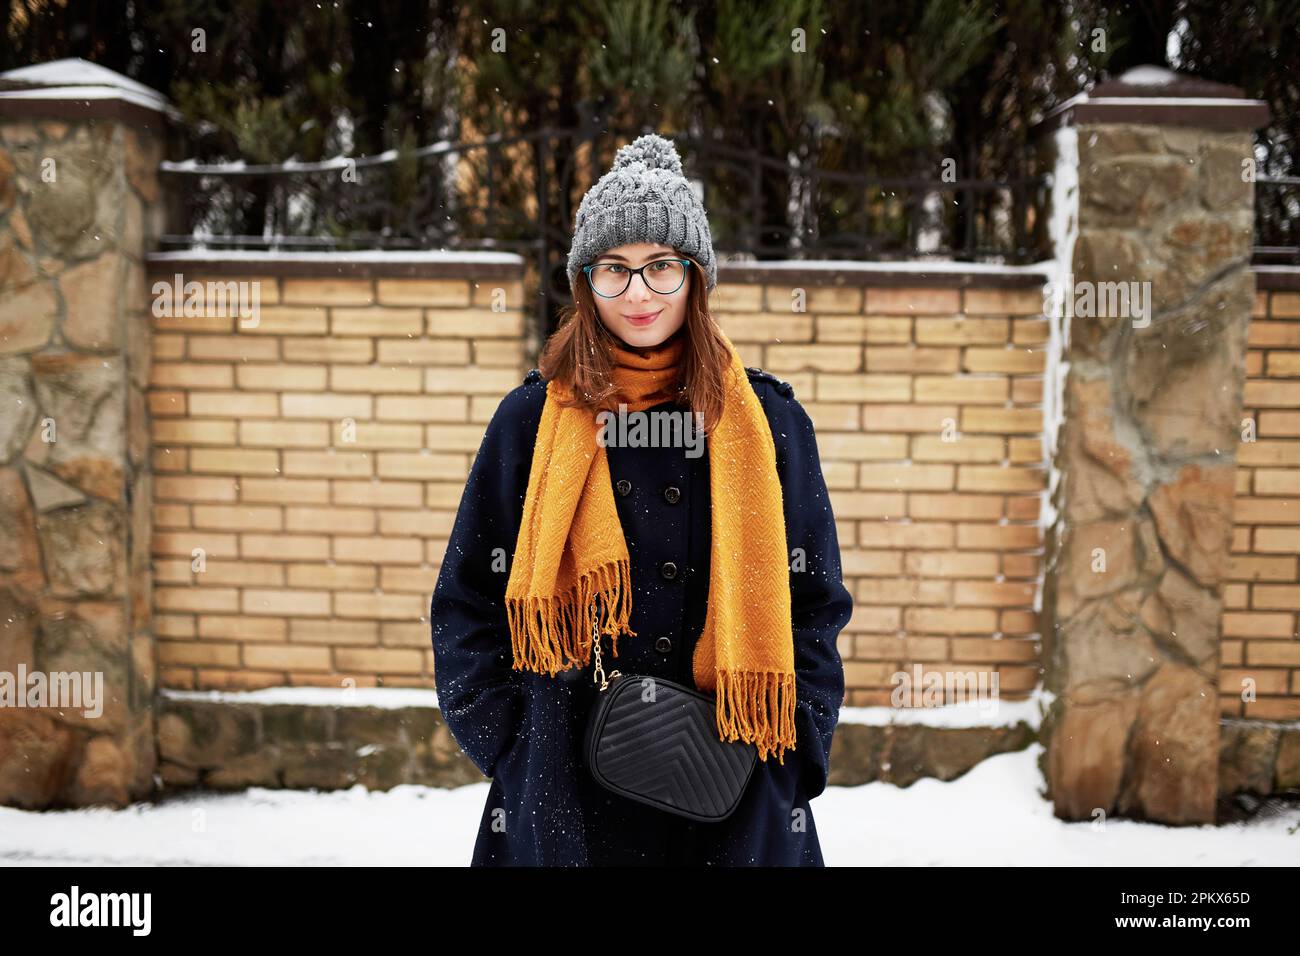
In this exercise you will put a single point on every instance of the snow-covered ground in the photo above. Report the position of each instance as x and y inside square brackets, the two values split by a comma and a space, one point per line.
[992, 815]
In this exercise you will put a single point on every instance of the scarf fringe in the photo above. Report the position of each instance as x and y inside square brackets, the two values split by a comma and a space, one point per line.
[549, 633]
[757, 707]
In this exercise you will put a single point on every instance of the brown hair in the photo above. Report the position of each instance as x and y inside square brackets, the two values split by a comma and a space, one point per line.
[704, 358]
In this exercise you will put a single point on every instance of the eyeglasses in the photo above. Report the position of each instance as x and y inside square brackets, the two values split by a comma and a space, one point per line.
[611, 279]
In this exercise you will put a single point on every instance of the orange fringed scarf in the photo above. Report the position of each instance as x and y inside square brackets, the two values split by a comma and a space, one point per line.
[571, 550]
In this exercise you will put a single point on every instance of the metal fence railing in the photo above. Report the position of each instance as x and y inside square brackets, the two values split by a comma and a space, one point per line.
[1277, 220]
[519, 194]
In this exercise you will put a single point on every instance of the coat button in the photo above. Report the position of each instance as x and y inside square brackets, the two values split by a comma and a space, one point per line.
[624, 486]
[668, 570]
[664, 644]
[672, 494]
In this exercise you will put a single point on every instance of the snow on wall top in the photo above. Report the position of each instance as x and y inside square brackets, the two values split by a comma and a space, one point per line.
[986, 713]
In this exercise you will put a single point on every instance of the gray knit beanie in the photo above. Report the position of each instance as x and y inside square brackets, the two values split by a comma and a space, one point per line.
[643, 198]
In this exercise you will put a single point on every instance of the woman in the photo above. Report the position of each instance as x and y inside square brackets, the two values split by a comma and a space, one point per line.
[720, 571]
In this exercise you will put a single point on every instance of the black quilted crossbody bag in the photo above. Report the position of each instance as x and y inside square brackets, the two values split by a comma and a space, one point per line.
[663, 751]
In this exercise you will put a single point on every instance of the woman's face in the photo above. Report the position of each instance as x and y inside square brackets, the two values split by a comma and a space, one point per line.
[641, 316]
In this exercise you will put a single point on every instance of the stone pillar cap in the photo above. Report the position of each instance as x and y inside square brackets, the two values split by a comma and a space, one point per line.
[1157, 96]
[78, 89]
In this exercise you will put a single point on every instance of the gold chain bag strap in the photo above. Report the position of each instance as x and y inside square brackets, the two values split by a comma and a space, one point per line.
[656, 741]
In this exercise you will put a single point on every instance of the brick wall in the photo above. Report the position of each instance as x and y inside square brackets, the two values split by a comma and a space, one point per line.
[322, 541]
[927, 404]
[322, 545]
[1262, 596]
[318, 460]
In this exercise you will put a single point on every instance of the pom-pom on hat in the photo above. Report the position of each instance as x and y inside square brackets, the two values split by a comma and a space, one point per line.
[643, 198]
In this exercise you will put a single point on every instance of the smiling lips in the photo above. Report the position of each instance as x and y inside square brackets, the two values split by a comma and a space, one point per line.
[644, 318]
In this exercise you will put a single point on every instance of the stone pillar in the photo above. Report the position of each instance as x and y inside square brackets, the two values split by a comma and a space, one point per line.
[78, 204]
[1150, 379]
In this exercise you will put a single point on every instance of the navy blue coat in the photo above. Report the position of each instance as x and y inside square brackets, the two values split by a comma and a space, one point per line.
[524, 730]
